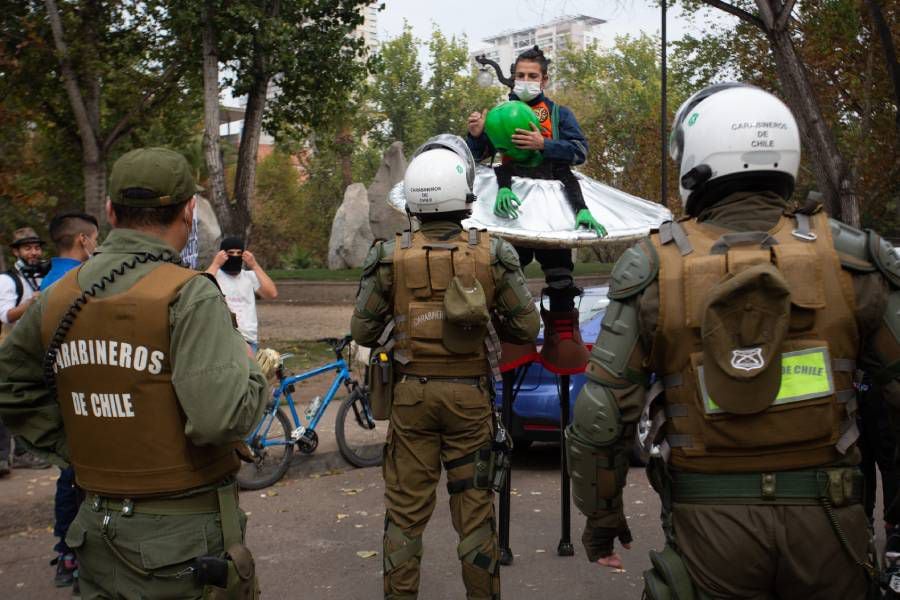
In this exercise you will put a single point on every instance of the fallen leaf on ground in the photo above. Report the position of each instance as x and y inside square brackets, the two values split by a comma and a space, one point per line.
[366, 553]
[351, 491]
[341, 516]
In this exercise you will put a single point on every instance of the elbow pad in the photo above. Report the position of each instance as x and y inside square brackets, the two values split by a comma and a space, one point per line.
[597, 463]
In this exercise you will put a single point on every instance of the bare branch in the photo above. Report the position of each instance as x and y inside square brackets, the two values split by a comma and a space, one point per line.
[785, 15]
[70, 81]
[766, 14]
[737, 12]
[152, 98]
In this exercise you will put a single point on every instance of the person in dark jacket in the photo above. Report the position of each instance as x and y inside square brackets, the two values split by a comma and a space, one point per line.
[562, 144]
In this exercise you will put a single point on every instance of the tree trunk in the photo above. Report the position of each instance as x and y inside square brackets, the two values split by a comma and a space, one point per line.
[345, 151]
[827, 163]
[94, 174]
[890, 52]
[92, 156]
[216, 191]
[245, 177]
[829, 167]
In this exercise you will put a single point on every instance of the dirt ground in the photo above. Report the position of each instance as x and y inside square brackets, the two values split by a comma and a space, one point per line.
[279, 321]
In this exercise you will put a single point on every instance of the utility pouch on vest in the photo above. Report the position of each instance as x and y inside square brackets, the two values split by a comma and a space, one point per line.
[669, 578]
[240, 582]
[466, 313]
[380, 381]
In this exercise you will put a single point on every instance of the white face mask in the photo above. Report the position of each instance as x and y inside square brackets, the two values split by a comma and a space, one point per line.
[527, 90]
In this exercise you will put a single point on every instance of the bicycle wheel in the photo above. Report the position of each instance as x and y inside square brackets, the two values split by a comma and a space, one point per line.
[271, 449]
[360, 438]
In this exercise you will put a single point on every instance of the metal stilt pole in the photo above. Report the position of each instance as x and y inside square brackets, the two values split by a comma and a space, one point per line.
[506, 555]
[565, 547]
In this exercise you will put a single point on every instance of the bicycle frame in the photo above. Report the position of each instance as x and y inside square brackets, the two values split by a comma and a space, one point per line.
[283, 390]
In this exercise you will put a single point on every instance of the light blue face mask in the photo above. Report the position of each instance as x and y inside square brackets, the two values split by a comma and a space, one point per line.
[527, 90]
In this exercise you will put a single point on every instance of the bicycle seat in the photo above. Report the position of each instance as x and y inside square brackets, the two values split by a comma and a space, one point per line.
[337, 344]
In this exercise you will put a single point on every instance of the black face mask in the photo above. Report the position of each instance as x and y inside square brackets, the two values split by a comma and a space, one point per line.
[233, 264]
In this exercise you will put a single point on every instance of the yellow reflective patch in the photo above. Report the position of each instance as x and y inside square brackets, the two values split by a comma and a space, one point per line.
[805, 374]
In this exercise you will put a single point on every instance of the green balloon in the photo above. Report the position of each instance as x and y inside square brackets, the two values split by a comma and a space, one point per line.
[501, 123]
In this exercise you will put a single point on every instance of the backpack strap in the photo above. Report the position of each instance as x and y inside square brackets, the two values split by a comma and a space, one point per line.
[20, 289]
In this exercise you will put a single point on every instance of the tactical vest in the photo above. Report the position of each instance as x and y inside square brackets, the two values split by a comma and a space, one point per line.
[124, 424]
[423, 269]
[810, 422]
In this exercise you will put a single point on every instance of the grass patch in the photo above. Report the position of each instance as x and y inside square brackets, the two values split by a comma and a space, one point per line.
[307, 354]
[532, 271]
[316, 274]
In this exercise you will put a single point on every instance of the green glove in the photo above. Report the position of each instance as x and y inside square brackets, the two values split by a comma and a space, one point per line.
[584, 218]
[506, 204]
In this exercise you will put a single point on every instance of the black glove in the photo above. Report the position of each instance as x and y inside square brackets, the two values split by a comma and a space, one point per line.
[600, 534]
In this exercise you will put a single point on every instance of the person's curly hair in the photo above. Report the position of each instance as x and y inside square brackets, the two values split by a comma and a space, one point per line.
[534, 54]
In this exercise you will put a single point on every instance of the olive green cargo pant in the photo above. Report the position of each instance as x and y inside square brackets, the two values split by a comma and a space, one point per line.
[161, 544]
[752, 552]
[434, 421]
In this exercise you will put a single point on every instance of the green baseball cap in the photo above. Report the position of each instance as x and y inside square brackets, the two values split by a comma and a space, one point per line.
[744, 325]
[501, 123]
[163, 172]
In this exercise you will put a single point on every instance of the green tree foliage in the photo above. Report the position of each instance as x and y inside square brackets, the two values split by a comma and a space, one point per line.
[614, 93]
[98, 78]
[277, 221]
[399, 91]
[416, 104]
[453, 90]
[296, 61]
[844, 58]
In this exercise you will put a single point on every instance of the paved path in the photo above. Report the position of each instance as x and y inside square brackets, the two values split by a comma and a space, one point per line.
[306, 532]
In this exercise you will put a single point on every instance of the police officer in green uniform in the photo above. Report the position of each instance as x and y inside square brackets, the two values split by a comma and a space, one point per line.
[753, 320]
[130, 369]
[429, 297]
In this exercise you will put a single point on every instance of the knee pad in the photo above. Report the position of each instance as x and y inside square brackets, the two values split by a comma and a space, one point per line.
[406, 548]
[469, 549]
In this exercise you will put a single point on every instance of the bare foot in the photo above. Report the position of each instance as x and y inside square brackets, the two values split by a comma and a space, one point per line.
[613, 561]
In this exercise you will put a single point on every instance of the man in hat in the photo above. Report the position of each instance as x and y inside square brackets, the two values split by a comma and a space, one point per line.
[20, 284]
[433, 293]
[129, 369]
[19, 287]
[754, 319]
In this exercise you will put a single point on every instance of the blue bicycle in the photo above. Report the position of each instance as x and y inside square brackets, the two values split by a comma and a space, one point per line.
[360, 438]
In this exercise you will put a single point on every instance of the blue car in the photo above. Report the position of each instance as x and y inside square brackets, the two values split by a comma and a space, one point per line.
[536, 410]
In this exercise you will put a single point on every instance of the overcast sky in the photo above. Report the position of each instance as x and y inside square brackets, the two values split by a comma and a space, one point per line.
[478, 19]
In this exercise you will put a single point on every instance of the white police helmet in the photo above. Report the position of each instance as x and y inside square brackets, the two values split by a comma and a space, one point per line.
[734, 132]
[440, 176]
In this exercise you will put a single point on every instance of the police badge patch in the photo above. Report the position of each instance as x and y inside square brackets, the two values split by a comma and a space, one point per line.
[747, 360]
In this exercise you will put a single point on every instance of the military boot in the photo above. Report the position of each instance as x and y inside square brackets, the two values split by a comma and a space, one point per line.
[564, 352]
